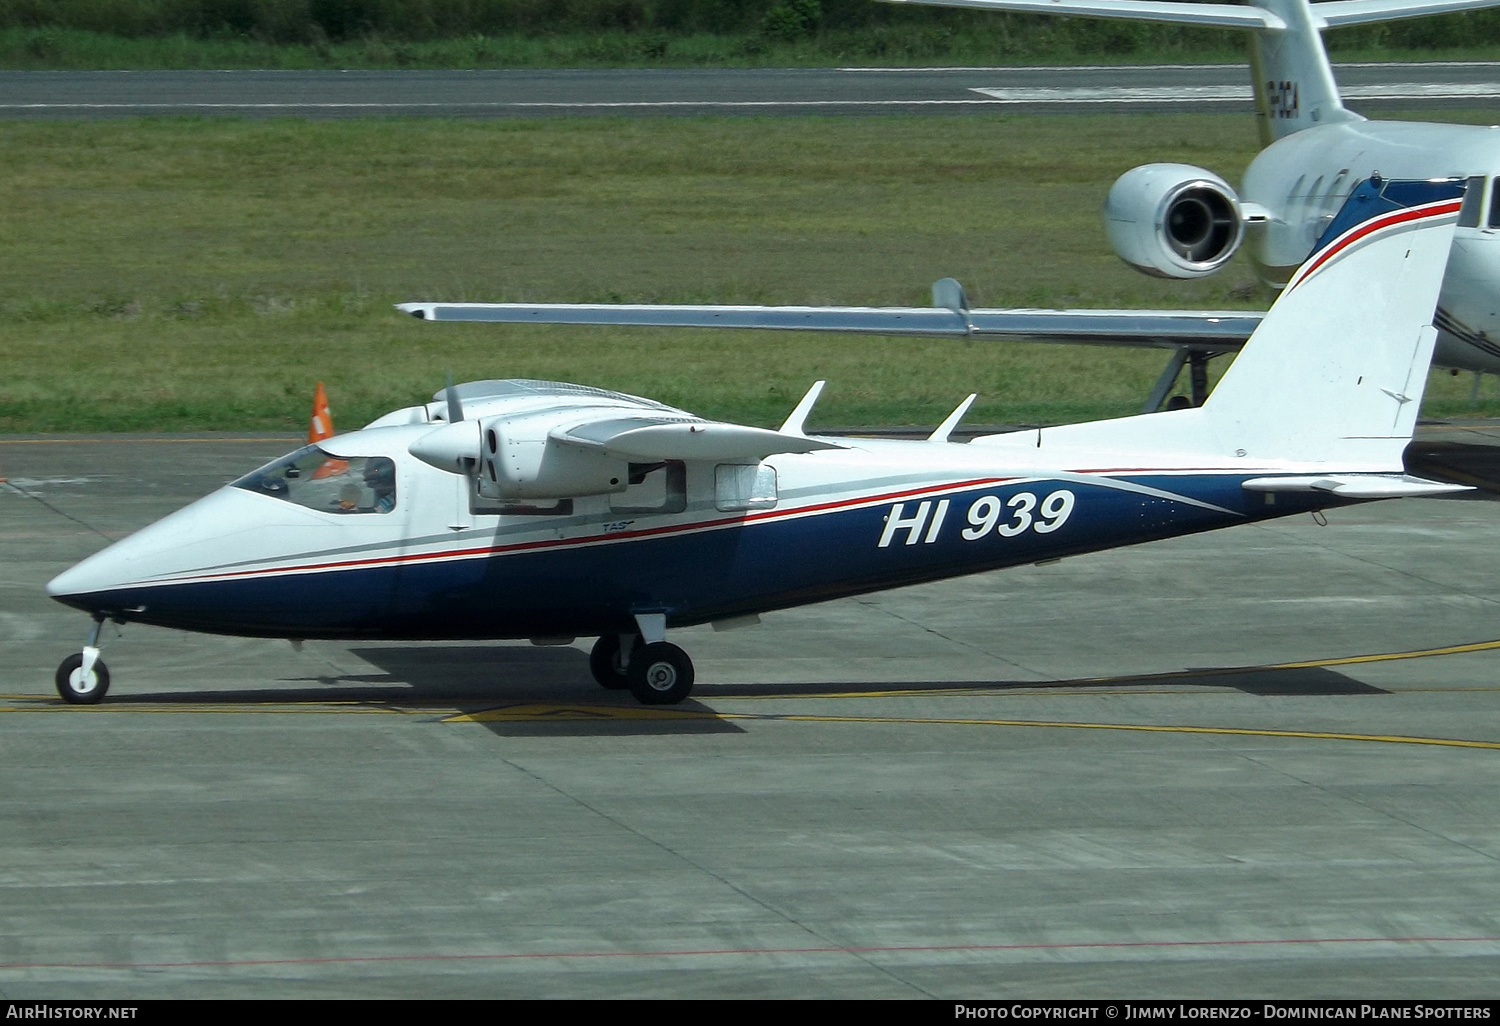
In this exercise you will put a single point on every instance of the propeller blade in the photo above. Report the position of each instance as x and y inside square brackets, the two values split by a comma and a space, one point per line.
[455, 406]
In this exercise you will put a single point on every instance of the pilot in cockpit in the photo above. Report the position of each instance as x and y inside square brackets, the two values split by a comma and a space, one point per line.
[380, 476]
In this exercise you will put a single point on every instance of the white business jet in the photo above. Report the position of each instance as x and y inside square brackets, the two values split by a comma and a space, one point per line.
[530, 509]
[1179, 221]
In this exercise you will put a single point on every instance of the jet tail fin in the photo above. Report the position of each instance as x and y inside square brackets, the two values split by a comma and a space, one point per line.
[1291, 75]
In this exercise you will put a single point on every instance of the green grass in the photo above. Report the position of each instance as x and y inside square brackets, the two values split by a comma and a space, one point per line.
[177, 274]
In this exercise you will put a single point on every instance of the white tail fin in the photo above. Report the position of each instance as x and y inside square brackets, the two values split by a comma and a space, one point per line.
[1336, 370]
[1291, 76]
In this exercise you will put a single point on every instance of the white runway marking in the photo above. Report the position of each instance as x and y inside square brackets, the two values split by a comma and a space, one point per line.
[1233, 94]
[499, 105]
[1165, 67]
[1119, 95]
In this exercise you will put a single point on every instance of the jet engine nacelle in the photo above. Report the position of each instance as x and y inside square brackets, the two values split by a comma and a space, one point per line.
[1173, 220]
[518, 458]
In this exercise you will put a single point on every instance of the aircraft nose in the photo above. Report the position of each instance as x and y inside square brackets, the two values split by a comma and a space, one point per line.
[101, 572]
[112, 580]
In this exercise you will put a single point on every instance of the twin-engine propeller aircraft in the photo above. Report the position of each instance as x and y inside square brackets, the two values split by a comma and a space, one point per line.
[1179, 221]
[531, 509]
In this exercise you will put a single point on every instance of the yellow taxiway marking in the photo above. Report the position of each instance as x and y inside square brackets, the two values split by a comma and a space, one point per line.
[41, 704]
[982, 688]
[544, 712]
[550, 713]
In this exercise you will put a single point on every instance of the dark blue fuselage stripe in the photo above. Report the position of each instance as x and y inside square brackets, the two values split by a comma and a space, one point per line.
[693, 577]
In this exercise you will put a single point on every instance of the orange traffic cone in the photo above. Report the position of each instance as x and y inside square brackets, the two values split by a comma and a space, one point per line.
[321, 426]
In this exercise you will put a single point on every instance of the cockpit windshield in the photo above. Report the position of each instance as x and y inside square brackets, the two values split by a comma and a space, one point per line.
[331, 484]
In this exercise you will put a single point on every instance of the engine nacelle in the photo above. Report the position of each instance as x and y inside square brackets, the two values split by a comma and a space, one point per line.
[515, 458]
[519, 460]
[1173, 220]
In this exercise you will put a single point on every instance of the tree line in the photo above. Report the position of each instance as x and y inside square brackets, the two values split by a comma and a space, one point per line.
[312, 21]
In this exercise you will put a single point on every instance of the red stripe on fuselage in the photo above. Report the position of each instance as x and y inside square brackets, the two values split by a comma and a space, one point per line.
[491, 550]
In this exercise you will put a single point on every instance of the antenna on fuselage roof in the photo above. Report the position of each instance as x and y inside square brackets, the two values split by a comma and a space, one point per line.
[794, 423]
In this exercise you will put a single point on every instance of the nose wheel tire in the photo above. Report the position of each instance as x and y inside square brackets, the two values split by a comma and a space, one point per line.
[75, 688]
[660, 674]
[609, 664]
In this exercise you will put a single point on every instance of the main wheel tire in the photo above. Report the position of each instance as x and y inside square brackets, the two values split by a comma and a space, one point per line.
[660, 674]
[606, 664]
[74, 688]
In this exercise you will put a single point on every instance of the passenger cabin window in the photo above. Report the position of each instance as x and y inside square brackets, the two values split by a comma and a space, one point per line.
[1468, 214]
[744, 486]
[653, 488]
[330, 484]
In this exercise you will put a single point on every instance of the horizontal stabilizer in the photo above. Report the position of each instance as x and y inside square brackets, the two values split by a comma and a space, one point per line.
[1356, 486]
[1327, 14]
[1218, 331]
[641, 439]
[1216, 15]
[1333, 13]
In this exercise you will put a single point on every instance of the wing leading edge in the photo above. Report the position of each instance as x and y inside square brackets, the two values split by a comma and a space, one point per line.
[1216, 331]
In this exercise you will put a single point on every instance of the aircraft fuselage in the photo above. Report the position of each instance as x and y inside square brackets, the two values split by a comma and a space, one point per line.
[878, 515]
[1304, 178]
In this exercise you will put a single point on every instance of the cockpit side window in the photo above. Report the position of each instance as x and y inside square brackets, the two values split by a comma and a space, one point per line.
[330, 484]
[1468, 214]
[1494, 219]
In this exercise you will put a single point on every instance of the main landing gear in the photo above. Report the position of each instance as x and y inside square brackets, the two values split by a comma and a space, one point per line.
[656, 671]
[82, 678]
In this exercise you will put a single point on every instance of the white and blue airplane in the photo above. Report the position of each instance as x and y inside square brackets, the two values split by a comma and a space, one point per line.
[533, 509]
[1180, 221]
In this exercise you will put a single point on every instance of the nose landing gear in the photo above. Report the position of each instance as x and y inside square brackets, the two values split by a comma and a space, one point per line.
[82, 678]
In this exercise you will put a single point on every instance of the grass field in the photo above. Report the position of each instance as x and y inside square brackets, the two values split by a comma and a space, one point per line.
[181, 274]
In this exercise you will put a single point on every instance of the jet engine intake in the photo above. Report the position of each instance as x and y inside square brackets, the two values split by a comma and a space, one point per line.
[1173, 220]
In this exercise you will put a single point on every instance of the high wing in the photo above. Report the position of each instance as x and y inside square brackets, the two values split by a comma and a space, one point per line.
[520, 439]
[645, 438]
[1200, 330]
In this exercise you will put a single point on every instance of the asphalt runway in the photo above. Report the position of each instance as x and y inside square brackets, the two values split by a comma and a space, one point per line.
[1370, 88]
[1256, 763]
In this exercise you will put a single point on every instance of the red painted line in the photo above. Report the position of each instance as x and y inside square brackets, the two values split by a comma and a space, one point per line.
[1361, 231]
[703, 525]
[892, 949]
